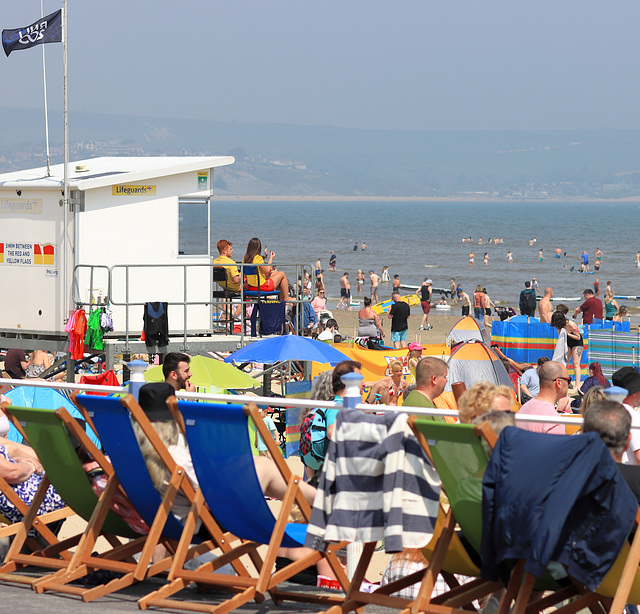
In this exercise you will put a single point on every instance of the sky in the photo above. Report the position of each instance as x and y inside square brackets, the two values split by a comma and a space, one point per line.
[364, 64]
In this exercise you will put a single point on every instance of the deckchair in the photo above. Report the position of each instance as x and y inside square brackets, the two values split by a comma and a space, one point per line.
[445, 554]
[111, 418]
[451, 447]
[48, 433]
[622, 583]
[220, 448]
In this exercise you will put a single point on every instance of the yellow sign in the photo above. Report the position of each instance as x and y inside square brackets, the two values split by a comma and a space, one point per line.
[21, 206]
[133, 190]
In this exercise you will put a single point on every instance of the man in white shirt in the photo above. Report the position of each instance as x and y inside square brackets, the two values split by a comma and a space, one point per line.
[629, 378]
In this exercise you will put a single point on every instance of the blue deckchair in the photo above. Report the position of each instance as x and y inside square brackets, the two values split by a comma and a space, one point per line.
[112, 421]
[220, 448]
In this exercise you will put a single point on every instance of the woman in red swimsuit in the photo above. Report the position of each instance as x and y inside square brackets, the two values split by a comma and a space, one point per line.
[267, 278]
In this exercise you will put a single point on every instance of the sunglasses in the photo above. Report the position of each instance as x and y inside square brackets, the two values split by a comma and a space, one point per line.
[566, 379]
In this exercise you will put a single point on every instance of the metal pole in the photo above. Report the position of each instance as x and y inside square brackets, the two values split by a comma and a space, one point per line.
[46, 112]
[65, 198]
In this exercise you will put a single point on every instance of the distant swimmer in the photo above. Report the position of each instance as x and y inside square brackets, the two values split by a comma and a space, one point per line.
[564, 255]
[540, 256]
[375, 281]
[396, 281]
[480, 241]
[363, 247]
[332, 261]
[598, 261]
[385, 274]
[638, 260]
[486, 259]
[345, 292]
[558, 252]
[472, 258]
[355, 247]
[596, 287]
[360, 280]
[509, 256]
[530, 242]
[585, 262]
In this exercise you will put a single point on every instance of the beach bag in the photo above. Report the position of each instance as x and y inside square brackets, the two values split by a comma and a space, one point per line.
[313, 435]
[528, 301]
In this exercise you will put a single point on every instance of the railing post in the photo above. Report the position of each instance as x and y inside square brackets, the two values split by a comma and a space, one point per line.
[137, 369]
[352, 396]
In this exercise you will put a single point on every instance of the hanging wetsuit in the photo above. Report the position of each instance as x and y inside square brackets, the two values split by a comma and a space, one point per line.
[156, 324]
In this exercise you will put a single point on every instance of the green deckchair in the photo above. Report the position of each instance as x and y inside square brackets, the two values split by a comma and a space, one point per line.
[47, 431]
[460, 455]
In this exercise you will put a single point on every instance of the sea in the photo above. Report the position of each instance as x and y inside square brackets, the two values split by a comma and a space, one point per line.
[424, 239]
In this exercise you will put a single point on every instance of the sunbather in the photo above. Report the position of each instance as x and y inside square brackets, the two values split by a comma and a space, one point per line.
[153, 398]
[20, 467]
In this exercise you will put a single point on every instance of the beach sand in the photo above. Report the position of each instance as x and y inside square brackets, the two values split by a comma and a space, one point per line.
[442, 323]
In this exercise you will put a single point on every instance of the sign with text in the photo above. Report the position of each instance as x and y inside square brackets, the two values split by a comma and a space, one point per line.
[30, 254]
[21, 206]
[203, 180]
[132, 190]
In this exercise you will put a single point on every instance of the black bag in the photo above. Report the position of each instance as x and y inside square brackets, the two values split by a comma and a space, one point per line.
[156, 325]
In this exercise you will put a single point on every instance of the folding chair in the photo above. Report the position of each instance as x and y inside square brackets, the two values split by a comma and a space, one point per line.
[220, 277]
[591, 492]
[446, 556]
[48, 433]
[219, 443]
[111, 417]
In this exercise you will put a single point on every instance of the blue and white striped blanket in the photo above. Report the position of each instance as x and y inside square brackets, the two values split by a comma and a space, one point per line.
[377, 483]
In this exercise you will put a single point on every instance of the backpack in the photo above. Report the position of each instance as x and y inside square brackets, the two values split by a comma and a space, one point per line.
[313, 434]
[528, 301]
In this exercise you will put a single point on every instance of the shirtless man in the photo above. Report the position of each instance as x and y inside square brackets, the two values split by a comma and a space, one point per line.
[375, 281]
[558, 252]
[466, 302]
[452, 285]
[545, 308]
[345, 292]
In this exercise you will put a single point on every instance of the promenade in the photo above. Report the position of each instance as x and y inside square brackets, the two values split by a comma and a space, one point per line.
[22, 600]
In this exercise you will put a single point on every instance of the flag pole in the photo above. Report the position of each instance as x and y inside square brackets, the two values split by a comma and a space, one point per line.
[66, 164]
[46, 111]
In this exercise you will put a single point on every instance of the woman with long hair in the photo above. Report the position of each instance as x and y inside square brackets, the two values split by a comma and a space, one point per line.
[267, 279]
[596, 378]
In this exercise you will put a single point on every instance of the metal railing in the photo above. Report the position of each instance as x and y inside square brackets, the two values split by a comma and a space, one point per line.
[120, 279]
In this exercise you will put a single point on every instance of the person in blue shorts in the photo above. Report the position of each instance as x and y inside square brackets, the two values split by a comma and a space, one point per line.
[399, 316]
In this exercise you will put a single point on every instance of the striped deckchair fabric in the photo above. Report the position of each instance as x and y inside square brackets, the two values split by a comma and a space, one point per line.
[613, 350]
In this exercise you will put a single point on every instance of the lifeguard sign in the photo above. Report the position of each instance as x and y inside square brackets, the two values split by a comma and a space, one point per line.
[125, 212]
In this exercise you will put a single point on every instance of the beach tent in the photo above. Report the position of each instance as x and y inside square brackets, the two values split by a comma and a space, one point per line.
[473, 361]
[468, 328]
[43, 398]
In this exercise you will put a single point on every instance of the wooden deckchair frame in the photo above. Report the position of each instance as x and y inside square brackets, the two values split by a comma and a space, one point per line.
[517, 599]
[118, 559]
[266, 582]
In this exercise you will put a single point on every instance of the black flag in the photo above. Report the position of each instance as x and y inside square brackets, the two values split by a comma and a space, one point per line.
[46, 30]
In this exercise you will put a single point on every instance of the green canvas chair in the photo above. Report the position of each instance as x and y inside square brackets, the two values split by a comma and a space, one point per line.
[460, 455]
[47, 431]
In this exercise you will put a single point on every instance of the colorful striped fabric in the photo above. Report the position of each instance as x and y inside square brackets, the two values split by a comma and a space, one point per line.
[614, 349]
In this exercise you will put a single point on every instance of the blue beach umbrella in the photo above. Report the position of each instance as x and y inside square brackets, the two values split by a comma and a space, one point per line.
[287, 347]
[43, 398]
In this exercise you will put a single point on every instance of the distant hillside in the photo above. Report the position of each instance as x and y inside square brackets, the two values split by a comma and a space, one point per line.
[307, 160]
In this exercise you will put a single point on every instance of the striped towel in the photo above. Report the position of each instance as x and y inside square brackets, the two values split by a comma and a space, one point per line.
[377, 483]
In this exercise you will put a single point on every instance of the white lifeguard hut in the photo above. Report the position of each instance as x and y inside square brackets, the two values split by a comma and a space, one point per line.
[120, 242]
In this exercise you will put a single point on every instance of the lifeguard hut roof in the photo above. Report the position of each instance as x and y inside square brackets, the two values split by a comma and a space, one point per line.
[102, 172]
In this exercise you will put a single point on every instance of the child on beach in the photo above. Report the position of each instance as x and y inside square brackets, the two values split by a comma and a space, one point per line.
[261, 446]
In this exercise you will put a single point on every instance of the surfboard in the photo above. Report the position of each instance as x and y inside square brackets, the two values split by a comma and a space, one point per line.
[411, 299]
